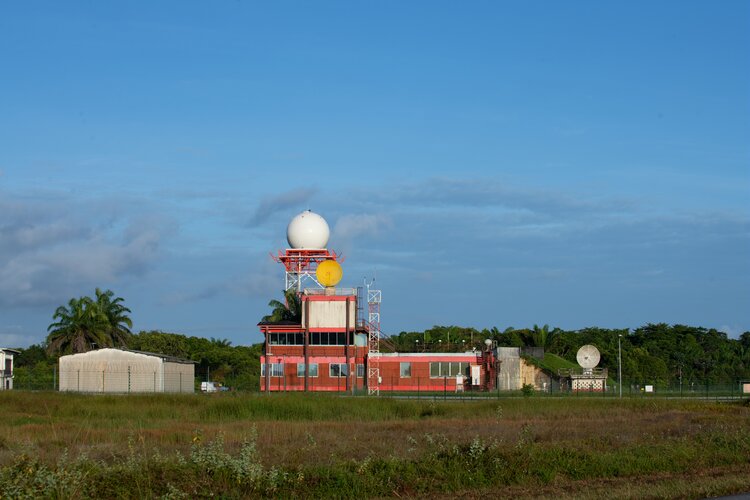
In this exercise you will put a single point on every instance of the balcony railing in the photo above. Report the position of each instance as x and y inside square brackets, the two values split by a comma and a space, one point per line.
[580, 372]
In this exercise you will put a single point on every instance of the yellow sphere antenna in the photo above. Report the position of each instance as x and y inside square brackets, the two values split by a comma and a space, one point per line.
[329, 273]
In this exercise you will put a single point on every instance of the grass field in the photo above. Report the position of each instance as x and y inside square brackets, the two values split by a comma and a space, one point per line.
[233, 445]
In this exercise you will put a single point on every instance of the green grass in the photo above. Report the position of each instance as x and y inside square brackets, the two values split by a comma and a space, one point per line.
[240, 445]
[550, 363]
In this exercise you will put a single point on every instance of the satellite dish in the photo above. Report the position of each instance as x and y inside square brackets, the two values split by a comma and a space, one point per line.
[588, 356]
[329, 273]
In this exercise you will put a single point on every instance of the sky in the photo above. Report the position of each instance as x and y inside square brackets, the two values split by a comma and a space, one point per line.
[489, 163]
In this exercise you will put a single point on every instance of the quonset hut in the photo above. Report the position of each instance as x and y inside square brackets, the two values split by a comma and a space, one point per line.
[124, 371]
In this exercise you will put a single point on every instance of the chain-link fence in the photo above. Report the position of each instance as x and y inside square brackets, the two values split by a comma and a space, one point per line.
[129, 380]
[124, 381]
[447, 387]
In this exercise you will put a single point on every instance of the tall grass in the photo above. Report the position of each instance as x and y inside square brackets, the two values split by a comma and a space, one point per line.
[69, 445]
[209, 470]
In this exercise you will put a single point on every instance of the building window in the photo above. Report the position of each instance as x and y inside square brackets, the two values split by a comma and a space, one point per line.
[448, 369]
[360, 371]
[277, 370]
[328, 338]
[313, 370]
[338, 370]
[285, 338]
[405, 370]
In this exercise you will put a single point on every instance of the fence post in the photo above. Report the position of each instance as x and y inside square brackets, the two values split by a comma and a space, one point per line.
[79, 380]
[128, 379]
[445, 388]
[180, 381]
[154, 381]
[102, 380]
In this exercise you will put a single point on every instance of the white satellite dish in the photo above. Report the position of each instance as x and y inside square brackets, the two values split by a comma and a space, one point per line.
[588, 357]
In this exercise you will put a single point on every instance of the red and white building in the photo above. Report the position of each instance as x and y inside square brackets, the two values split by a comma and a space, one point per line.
[332, 349]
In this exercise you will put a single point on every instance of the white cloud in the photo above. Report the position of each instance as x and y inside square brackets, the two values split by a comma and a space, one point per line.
[272, 204]
[349, 227]
[52, 248]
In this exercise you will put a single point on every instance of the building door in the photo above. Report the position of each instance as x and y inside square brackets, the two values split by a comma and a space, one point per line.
[475, 375]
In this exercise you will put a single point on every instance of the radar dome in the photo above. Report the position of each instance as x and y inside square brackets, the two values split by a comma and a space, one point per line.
[329, 273]
[307, 230]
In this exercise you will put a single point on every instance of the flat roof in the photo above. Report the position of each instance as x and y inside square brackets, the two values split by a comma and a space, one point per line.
[428, 354]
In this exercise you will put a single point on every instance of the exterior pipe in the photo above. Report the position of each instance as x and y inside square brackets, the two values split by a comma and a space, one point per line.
[307, 344]
[268, 365]
[346, 346]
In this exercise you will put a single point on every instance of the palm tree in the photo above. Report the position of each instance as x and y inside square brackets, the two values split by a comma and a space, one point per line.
[544, 337]
[221, 342]
[86, 322]
[117, 316]
[79, 325]
[289, 311]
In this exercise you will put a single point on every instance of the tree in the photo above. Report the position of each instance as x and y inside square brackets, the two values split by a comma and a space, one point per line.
[86, 322]
[543, 337]
[79, 325]
[117, 316]
[289, 311]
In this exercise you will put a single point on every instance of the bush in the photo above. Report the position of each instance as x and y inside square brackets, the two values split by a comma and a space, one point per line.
[527, 390]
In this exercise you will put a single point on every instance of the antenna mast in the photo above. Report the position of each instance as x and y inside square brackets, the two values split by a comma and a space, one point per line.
[373, 339]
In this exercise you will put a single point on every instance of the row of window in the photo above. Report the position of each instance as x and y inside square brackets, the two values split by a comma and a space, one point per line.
[334, 370]
[437, 369]
[449, 369]
[316, 338]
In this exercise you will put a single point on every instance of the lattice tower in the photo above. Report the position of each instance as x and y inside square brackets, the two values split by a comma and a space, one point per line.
[373, 339]
[300, 266]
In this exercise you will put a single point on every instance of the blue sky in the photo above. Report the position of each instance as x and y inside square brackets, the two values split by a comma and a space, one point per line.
[492, 163]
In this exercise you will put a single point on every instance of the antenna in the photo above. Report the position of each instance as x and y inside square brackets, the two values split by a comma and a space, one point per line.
[588, 357]
[373, 338]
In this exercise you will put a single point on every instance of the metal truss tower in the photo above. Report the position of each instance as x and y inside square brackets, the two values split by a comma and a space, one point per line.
[300, 266]
[373, 339]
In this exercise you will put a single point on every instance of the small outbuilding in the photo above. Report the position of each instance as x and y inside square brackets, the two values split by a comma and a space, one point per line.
[6, 368]
[124, 371]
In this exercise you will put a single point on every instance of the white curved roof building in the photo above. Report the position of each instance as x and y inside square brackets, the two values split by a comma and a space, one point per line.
[124, 371]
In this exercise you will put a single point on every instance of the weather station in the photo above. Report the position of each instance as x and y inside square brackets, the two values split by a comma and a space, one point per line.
[327, 348]
[307, 235]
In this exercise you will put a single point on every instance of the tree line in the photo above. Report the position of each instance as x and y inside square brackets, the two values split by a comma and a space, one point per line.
[88, 323]
[654, 353]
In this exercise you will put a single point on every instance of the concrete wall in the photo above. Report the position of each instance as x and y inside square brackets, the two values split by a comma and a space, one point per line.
[331, 313]
[509, 374]
[530, 374]
[514, 372]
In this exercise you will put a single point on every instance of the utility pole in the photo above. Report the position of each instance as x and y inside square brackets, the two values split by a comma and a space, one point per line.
[619, 361]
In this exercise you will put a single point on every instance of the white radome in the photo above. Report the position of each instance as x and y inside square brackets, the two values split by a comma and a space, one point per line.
[308, 230]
